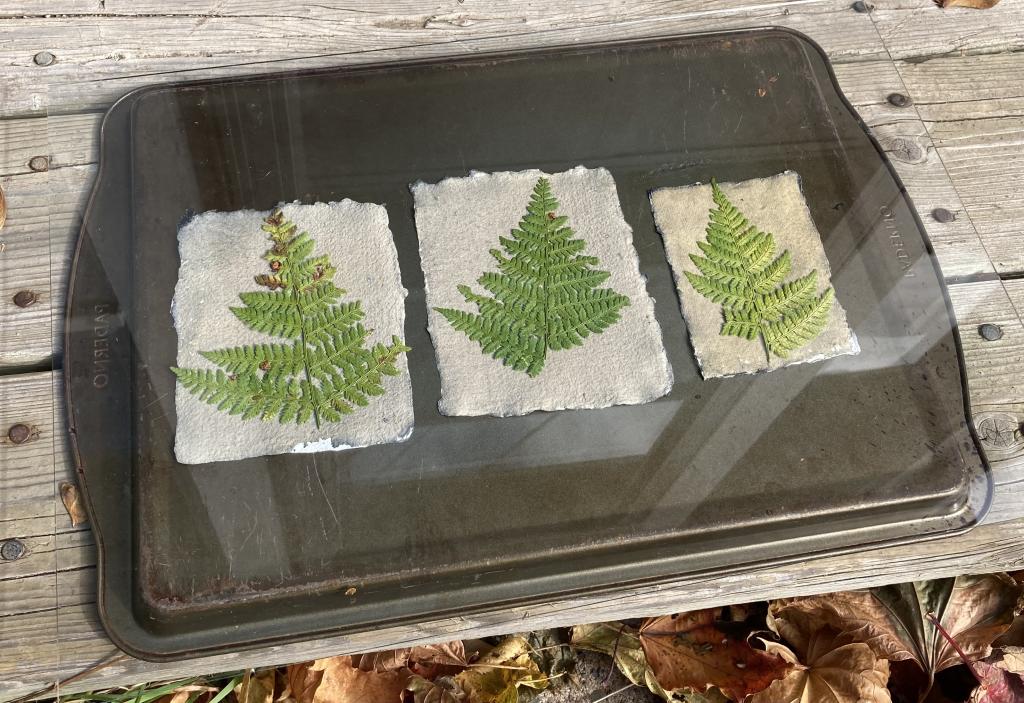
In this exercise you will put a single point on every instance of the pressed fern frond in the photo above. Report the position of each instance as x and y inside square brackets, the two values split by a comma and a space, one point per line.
[324, 371]
[740, 271]
[545, 295]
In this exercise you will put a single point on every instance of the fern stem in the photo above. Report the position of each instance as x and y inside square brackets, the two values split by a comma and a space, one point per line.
[305, 349]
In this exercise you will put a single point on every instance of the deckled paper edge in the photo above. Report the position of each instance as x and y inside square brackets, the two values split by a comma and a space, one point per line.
[323, 444]
[634, 261]
[678, 278]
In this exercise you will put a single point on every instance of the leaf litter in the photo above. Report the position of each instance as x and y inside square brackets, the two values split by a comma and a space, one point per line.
[882, 645]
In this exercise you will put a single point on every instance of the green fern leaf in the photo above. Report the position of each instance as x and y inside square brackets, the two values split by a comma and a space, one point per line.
[324, 371]
[740, 271]
[799, 326]
[544, 296]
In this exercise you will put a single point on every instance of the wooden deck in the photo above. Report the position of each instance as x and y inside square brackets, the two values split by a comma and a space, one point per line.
[958, 146]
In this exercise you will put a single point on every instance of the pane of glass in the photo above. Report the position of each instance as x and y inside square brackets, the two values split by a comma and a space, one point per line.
[472, 511]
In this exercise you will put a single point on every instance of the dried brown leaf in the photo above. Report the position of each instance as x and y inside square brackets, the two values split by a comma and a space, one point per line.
[712, 695]
[973, 4]
[688, 651]
[388, 660]
[891, 620]
[1010, 658]
[428, 661]
[73, 503]
[622, 642]
[828, 666]
[497, 677]
[342, 681]
[256, 688]
[302, 682]
[184, 693]
[444, 689]
[996, 685]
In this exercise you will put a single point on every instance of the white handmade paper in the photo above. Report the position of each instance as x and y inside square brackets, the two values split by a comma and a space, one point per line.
[220, 254]
[459, 221]
[774, 205]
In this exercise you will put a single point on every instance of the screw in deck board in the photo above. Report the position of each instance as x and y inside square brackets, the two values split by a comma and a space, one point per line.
[11, 549]
[39, 163]
[21, 433]
[24, 298]
[990, 332]
[999, 430]
[861, 6]
[899, 100]
[941, 214]
[43, 58]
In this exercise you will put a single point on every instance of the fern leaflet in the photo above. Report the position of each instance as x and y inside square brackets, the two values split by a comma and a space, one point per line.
[740, 270]
[324, 371]
[544, 296]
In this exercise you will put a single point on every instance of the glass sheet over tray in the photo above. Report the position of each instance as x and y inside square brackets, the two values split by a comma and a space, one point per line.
[477, 512]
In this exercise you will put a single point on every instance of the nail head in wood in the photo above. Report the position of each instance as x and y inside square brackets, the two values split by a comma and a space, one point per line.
[941, 214]
[990, 332]
[24, 298]
[39, 163]
[861, 6]
[11, 549]
[43, 58]
[898, 100]
[19, 434]
[999, 431]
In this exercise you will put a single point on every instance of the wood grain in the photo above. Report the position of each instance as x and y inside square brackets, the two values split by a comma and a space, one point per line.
[100, 57]
[973, 108]
[73, 140]
[29, 638]
[43, 217]
[63, 569]
[961, 68]
[918, 30]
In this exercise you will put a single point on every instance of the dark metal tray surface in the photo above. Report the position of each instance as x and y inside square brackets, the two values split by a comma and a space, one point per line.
[476, 513]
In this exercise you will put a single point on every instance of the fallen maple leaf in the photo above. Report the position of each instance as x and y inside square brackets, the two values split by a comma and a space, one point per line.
[997, 682]
[996, 685]
[429, 661]
[444, 689]
[892, 619]
[622, 643]
[827, 665]
[302, 682]
[256, 688]
[73, 504]
[712, 695]
[342, 681]
[496, 678]
[688, 651]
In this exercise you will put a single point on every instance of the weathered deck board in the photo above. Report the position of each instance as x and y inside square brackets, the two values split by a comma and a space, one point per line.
[966, 118]
[30, 637]
[43, 217]
[985, 159]
[960, 250]
[60, 566]
[912, 29]
[99, 58]
[973, 107]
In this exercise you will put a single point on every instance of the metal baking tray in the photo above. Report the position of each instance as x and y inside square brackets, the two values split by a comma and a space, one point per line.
[474, 514]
